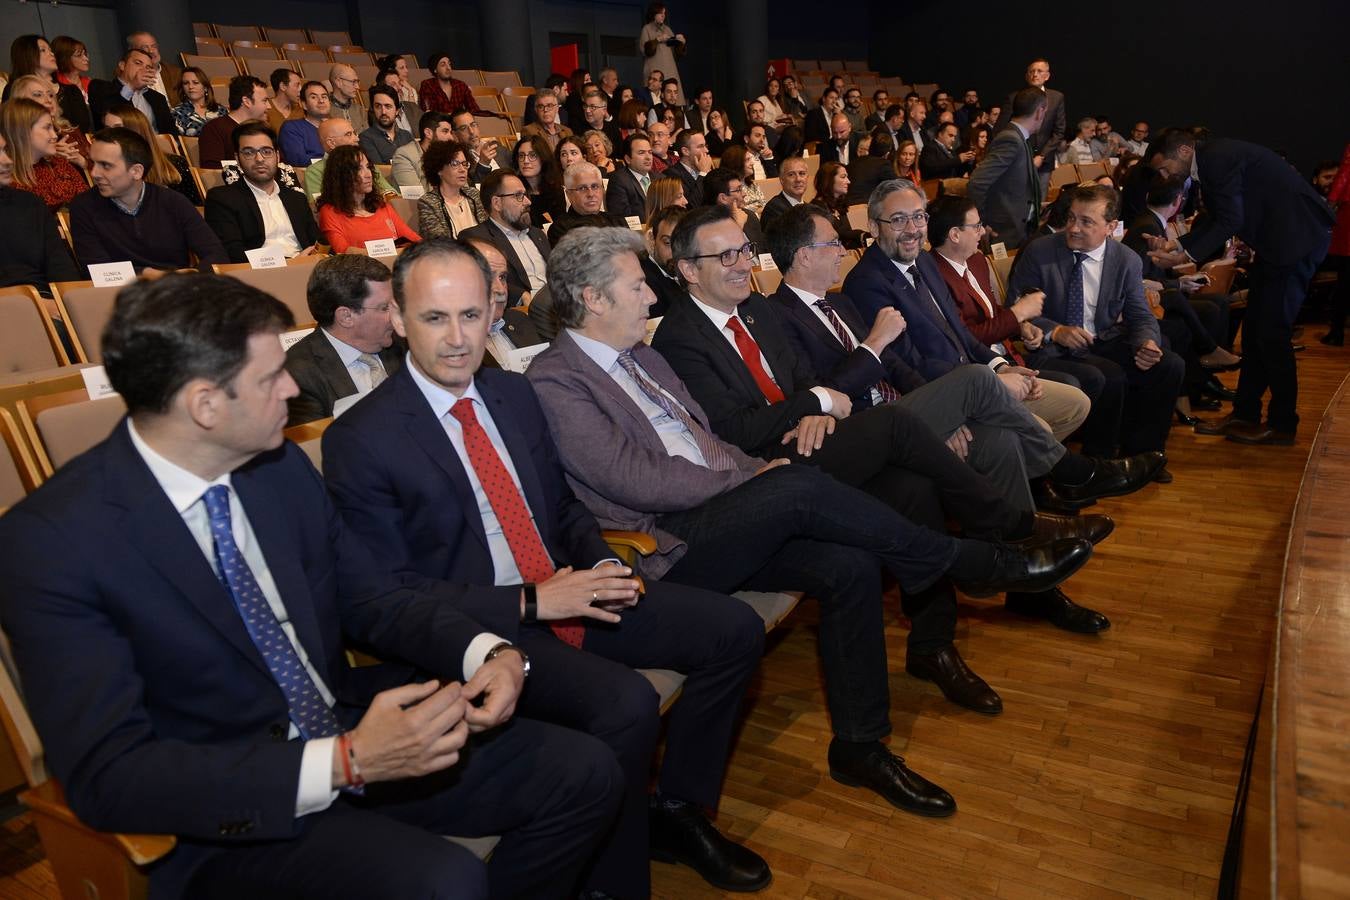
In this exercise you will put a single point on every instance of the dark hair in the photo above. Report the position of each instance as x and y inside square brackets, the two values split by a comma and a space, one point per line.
[438, 156]
[241, 89]
[279, 77]
[430, 120]
[384, 90]
[663, 215]
[492, 184]
[825, 184]
[670, 81]
[135, 149]
[1163, 190]
[339, 180]
[248, 129]
[304, 88]
[792, 231]
[1091, 193]
[24, 56]
[341, 281]
[130, 51]
[183, 326]
[633, 115]
[434, 60]
[65, 47]
[627, 146]
[683, 243]
[733, 160]
[718, 181]
[881, 143]
[1170, 142]
[577, 81]
[555, 81]
[653, 10]
[944, 214]
[878, 92]
[440, 247]
[550, 173]
[1026, 101]
[1056, 215]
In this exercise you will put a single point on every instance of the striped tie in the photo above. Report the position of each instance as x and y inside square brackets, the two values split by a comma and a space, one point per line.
[883, 387]
[714, 453]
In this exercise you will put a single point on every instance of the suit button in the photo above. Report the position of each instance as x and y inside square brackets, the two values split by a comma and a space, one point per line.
[278, 732]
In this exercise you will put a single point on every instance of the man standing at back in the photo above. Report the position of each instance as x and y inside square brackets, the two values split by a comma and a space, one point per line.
[1005, 185]
[1047, 139]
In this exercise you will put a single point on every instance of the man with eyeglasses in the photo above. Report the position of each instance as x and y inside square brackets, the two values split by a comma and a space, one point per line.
[596, 112]
[342, 97]
[482, 152]
[662, 158]
[352, 350]
[1138, 142]
[585, 189]
[509, 229]
[256, 211]
[299, 138]
[547, 108]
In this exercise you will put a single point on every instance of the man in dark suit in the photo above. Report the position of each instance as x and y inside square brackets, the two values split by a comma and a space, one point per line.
[638, 452]
[693, 165]
[508, 228]
[408, 479]
[512, 328]
[131, 85]
[1047, 139]
[670, 99]
[1251, 193]
[585, 188]
[626, 194]
[869, 170]
[1005, 184]
[211, 629]
[256, 209]
[842, 146]
[1095, 317]
[658, 263]
[913, 129]
[351, 350]
[792, 175]
[165, 76]
[816, 126]
[941, 159]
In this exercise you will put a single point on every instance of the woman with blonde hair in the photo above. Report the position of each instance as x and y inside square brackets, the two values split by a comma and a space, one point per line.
[906, 161]
[71, 142]
[169, 169]
[662, 193]
[598, 150]
[38, 167]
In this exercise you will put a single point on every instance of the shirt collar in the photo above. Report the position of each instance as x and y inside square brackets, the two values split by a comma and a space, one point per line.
[1096, 255]
[345, 351]
[807, 297]
[438, 397]
[132, 210]
[718, 317]
[497, 327]
[960, 267]
[602, 354]
[792, 202]
[1159, 217]
[1026, 135]
[511, 233]
[182, 487]
[259, 192]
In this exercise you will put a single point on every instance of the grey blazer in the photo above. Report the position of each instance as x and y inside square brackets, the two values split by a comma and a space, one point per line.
[1005, 187]
[614, 459]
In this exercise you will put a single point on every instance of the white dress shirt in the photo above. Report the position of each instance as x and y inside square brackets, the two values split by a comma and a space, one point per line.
[811, 300]
[997, 362]
[1092, 284]
[720, 320]
[536, 267]
[498, 344]
[277, 228]
[357, 368]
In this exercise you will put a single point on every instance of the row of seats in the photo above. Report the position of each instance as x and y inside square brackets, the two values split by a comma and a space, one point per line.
[275, 35]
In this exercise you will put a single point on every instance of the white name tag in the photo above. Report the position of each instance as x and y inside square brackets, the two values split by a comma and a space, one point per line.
[382, 247]
[766, 261]
[519, 359]
[266, 258]
[112, 274]
[96, 382]
[634, 222]
[291, 338]
[411, 191]
[652, 325]
[999, 250]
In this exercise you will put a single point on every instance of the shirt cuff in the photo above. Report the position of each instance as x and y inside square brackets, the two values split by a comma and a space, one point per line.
[608, 559]
[996, 362]
[826, 404]
[315, 793]
[871, 351]
[478, 649]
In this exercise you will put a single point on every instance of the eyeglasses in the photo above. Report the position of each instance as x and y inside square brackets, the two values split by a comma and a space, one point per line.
[594, 106]
[836, 244]
[458, 163]
[976, 225]
[900, 220]
[258, 152]
[545, 106]
[588, 188]
[348, 80]
[527, 156]
[748, 250]
[518, 196]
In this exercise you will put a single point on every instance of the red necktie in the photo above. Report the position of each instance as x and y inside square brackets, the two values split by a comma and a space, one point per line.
[749, 351]
[514, 517]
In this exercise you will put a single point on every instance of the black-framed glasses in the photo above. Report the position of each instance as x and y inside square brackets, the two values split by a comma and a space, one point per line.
[975, 225]
[518, 196]
[900, 220]
[728, 258]
[251, 152]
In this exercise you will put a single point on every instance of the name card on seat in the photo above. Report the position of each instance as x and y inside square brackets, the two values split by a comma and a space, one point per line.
[411, 191]
[266, 257]
[96, 382]
[519, 359]
[634, 222]
[652, 325]
[112, 274]
[766, 261]
[999, 250]
[382, 247]
[291, 338]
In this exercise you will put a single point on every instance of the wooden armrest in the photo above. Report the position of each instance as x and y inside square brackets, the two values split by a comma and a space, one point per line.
[1184, 269]
[47, 799]
[638, 542]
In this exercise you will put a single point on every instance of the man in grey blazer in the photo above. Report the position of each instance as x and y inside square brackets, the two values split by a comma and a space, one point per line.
[352, 349]
[1095, 317]
[1005, 185]
[1047, 141]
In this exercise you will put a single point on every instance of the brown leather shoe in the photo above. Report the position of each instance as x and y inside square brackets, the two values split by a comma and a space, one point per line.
[1249, 433]
[953, 677]
[1220, 425]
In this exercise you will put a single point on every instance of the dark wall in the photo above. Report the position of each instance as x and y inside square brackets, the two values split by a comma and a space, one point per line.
[1270, 73]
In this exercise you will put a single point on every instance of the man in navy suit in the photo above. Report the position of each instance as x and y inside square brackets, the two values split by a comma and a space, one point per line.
[626, 194]
[403, 468]
[1095, 317]
[186, 670]
[1250, 192]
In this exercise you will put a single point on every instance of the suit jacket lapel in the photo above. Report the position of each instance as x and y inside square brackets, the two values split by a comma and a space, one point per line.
[330, 365]
[579, 360]
[712, 337]
[255, 213]
[797, 310]
[778, 356]
[504, 245]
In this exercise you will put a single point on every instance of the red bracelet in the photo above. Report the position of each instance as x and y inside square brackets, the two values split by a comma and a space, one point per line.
[350, 769]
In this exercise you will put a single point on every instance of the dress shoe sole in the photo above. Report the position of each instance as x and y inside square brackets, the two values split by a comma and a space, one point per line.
[732, 887]
[849, 781]
[923, 676]
[1274, 439]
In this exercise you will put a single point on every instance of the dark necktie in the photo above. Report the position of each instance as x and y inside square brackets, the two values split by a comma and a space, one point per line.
[884, 387]
[308, 710]
[1073, 313]
[714, 454]
[929, 305]
[513, 515]
[749, 351]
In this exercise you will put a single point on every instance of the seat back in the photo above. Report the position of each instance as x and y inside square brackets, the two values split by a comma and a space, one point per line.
[770, 188]
[468, 76]
[215, 65]
[1221, 273]
[1001, 268]
[286, 35]
[18, 469]
[191, 150]
[257, 51]
[501, 79]
[28, 340]
[23, 737]
[330, 38]
[60, 427]
[208, 178]
[309, 438]
[287, 283]
[1091, 171]
[857, 217]
[86, 310]
[306, 55]
[1066, 173]
[767, 280]
[238, 32]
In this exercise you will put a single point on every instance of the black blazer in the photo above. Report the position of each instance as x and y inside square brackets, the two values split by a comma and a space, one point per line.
[855, 373]
[864, 174]
[666, 289]
[517, 281]
[233, 214]
[1143, 226]
[1049, 139]
[104, 94]
[937, 161]
[624, 195]
[816, 125]
[74, 108]
[322, 378]
[519, 330]
[828, 150]
[720, 382]
[571, 219]
[775, 208]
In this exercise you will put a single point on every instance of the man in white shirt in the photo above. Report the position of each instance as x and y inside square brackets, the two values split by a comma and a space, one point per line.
[236, 211]
[792, 174]
[351, 351]
[1138, 142]
[511, 328]
[164, 76]
[1083, 148]
[508, 228]
[210, 628]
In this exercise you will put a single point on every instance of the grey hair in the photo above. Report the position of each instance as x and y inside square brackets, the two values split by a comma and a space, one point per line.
[576, 170]
[885, 189]
[1087, 120]
[544, 94]
[585, 258]
[604, 138]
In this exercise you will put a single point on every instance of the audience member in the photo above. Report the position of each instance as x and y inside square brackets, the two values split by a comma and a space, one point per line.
[542, 175]
[72, 68]
[164, 76]
[30, 54]
[38, 166]
[658, 263]
[969, 112]
[650, 92]
[508, 228]
[905, 161]
[693, 164]
[71, 142]
[1108, 142]
[596, 117]
[452, 205]
[32, 250]
[345, 86]
[671, 102]
[381, 140]
[663, 193]
[547, 107]
[482, 151]
[941, 157]
[771, 100]
[131, 84]
[916, 115]
[256, 211]
[853, 111]
[831, 199]
[168, 170]
[626, 194]
[1083, 148]
[284, 103]
[724, 187]
[792, 102]
[1005, 185]
[719, 133]
[842, 145]
[755, 114]
[1138, 142]
[300, 144]
[881, 100]
[406, 167]
[793, 176]
[443, 92]
[738, 161]
[198, 105]
[352, 348]
[248, 103]
[662, 157]
[398, 64]
[352, 210]
[409, 112]
[337, 132]
[759, 151]
[1046, 138]
[632, 117]
[598, 151]
[511, 328]
[585, 189]
[871, 167]
[816, 126]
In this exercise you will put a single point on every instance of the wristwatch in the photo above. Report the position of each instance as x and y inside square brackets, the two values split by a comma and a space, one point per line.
[502, 648]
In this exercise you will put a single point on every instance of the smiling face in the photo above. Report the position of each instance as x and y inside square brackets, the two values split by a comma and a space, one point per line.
[719, 286]
[445, 318]
[1087, 227]
[904, 243]
[793, 175]
[43, 137]
[39, 92]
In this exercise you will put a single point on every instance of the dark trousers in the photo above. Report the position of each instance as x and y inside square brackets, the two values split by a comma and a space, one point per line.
[796, 529]
[715, 640]
[549, 792]
[1340, 294]
[1274, 296]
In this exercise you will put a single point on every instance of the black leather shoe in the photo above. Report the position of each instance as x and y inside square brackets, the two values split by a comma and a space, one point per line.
[1048, 527]
[1213, 387]
[1116, 477]
[1057, 609]
[1221, 425]
[1033, 567]
[953, 677]
[683, 834]
[1048, 499]
[882, 771]
[1205, 404]
[1163, 476]
[1246, 433]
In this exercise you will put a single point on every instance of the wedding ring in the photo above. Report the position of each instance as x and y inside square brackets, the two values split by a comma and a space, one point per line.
[595, 596]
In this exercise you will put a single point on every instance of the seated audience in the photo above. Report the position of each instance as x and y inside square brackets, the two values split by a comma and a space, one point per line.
[662, 156]
[337, 132]
[71, 142]
[792, 175]
[163, 75]
[511, 328]
[771, 100]
[408, 111]
[406, 167]
[1083, 148]
[670, 103]
[759, 148]
[1138, 142]
[632, 116]
[131, 84]
[570, 150]
[853, 111]
[585, 190]
[538, 168]
[383, 138]
[969, 112]
[248, 103]
[581, 648]
[650, 93]
[547, 125]
[723, 187]
[1108, 142]
[738, 159]
[694, 163]
[508, 228]
[905, 161]
[32, 250]
[214, 531]
[599, 149]
[30, 54]
[720, 133]
[816, 126]
[168, 169]
[442, 92]
[942, 156]
[397, 63]
[344, 88]
[198, 105]
[352, 348]
[38, 166]
[72, 68]
[842, 144]
[482, 151]
[792, 102]
[284, 104]
[832, 184]
[658, 263]
[871, 167]
[595, 116]
[663, 193]
[977, 142]
[452, 205]
[626, 194]
[300, 144]
[881, 101]
[257, 211]
[914, 128]
[352, 210]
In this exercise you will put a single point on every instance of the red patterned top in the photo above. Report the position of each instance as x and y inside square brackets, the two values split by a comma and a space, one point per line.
[432, 98]
[56, 181]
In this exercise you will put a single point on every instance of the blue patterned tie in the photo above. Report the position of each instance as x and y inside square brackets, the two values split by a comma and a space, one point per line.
[1073, 314]
[714, 454]
[308, 710]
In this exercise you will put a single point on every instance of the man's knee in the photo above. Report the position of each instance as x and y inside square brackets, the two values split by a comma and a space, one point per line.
[451, 872]
[631, 708]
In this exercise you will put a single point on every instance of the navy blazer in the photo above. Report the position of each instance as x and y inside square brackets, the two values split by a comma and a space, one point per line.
[624, 196]
[926, 346]
[1122, 310]
[853, 374]
[156, 711]
[517, 280]
[401, 488]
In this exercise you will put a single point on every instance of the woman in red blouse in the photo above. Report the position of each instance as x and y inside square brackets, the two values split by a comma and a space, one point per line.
[351, 211]
[39, 168]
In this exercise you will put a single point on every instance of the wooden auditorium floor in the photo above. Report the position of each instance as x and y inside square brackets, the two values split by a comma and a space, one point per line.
[1111, 771]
